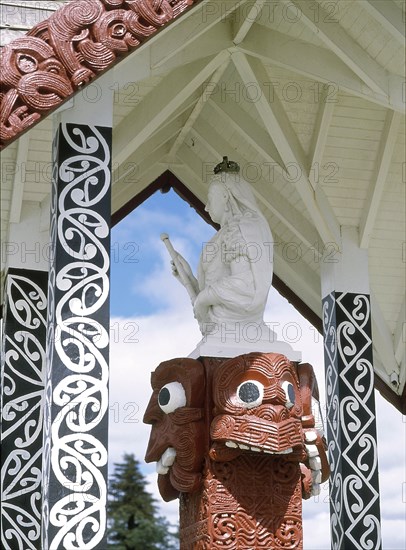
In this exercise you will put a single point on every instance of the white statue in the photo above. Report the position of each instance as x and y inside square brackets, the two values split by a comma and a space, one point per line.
[236, 265]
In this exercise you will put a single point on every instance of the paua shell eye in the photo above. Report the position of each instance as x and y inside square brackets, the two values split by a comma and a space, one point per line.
[171, 397]
[290, 394]
[250, 394]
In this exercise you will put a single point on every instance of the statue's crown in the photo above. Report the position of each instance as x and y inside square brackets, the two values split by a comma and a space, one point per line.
[226, 166]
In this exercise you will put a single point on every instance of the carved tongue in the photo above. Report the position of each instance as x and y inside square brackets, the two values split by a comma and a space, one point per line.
[166, 460]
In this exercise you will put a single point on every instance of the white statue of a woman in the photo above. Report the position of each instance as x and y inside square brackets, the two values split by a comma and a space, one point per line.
[236, 265]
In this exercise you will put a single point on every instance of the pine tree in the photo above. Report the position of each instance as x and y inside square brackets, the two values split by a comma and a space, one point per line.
[133, 523]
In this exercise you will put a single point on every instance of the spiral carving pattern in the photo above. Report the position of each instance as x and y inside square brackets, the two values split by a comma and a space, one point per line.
[63, 53]
[75, 453]
[354, 489]
[22, 408]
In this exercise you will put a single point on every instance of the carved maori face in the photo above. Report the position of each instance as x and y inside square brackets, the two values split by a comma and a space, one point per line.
[258, 407]
[178, 430]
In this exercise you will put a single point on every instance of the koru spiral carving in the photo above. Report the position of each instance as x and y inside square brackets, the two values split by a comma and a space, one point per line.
[240, 441]
[68, 50]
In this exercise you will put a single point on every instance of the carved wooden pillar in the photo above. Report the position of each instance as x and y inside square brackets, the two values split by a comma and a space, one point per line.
[75, 430]
[237, 440]
[351, 425]
[22, 406]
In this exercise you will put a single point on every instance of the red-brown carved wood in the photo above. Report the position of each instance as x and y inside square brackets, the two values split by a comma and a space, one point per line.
[68, 50]
[254, 448]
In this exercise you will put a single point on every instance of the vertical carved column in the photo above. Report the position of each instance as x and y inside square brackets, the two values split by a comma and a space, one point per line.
[351, 425]
[22, 405]
[237, 440]
[75, 439]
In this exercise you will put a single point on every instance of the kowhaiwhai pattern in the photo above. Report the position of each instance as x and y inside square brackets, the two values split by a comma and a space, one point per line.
[22, 378]
[77, 382]
[354, 490]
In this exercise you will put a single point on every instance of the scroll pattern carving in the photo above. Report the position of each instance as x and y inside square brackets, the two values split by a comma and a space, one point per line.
[75, 454]
[250, 502]
[354, 487]
[22, 409]
[258, 445]
[66, 51]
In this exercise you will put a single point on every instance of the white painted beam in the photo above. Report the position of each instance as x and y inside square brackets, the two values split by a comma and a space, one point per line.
[208, 89]
[274, 202]
[301, 278]
[320, 133]
[286, 141]
[389, 15]
[159, 138]
[150, 175]
[192, 31]
[399, 337]
[187, 176]
[244, 19]
[386, 148]
[342, 44]
[18, 180]
[317, 63]
[128, 189]
[250, 130]
[159, 104]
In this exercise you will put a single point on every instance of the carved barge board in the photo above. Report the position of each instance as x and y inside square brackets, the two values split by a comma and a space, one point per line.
[68, 50]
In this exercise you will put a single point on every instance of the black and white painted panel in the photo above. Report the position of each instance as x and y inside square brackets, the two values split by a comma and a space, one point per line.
[75, 431]
[351, 426]
[22, 406]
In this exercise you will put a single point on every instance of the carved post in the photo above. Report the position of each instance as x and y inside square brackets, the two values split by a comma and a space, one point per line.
[22, 406]
[75, 431]
[351, 425]
[238, 441]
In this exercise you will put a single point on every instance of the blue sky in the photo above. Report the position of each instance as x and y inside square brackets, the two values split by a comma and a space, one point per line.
[152, 321]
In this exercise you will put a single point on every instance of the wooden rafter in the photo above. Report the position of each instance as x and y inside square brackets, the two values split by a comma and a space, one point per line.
[158, 105]
[197, 31]
[323, 122]
[286, 141]
[208, 89]
[317, 63]
[243, 23]
[250, 130]
[389, 16]
[386, 148]
[343, 45]
[132, 182]
[166, 132]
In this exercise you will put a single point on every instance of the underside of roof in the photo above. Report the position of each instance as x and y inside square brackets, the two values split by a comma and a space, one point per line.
[308, 97]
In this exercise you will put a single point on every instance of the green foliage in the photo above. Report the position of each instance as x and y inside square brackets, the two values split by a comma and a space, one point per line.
[133, 523]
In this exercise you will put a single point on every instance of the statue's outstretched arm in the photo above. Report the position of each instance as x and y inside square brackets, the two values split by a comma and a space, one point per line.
[181, 269]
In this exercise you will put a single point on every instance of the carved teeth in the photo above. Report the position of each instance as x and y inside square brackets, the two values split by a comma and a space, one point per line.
[312, 451]
[315, 463]
[234, 445]
[166, 460]
[311, 436]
